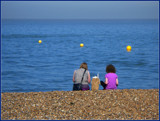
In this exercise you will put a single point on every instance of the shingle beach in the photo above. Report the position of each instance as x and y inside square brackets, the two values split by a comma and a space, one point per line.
[125, 104]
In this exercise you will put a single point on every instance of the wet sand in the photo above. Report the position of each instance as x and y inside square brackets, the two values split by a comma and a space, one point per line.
[126, 104]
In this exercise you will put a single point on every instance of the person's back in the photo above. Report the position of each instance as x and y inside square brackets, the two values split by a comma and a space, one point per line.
[111, 80]
[81, 76]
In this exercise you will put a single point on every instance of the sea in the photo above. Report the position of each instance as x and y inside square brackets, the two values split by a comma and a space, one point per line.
[30, 66]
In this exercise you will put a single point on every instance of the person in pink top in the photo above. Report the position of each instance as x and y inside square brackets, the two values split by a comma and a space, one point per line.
[111, 78]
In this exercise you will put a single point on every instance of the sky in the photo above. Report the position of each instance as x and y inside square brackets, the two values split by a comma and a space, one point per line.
[80, 10]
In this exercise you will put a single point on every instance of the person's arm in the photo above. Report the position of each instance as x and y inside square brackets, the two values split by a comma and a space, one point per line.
[106, 81]
[74, 76]
[89, 78]
[117, 82]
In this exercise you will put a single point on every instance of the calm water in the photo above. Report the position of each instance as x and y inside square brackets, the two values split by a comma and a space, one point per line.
[28, 66]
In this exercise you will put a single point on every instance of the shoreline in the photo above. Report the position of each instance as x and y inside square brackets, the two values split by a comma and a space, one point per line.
[122, 104]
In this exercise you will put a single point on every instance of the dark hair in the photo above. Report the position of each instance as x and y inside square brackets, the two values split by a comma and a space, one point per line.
[84, 65]
[110, 68]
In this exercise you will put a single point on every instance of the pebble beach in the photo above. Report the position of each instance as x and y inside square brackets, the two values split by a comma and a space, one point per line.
[125, 104]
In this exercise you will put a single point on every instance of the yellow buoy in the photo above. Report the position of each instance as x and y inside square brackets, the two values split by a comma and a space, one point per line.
[128, 48]
[81, 45]
[40, 41]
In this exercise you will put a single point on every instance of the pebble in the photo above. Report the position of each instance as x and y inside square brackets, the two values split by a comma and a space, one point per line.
[125, 104]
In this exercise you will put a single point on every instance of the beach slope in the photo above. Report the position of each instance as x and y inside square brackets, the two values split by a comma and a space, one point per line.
[131, 104]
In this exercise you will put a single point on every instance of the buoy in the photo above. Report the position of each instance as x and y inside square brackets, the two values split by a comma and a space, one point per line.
[128, 48]
[40, 41]
[81, 45]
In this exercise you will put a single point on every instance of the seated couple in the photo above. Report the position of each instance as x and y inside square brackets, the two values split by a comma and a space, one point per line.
[82, 76]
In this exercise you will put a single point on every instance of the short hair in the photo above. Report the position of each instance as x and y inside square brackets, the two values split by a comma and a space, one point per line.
[110, 68]
[84, 65]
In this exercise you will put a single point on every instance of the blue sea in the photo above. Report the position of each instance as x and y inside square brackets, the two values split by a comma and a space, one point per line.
[28, 66]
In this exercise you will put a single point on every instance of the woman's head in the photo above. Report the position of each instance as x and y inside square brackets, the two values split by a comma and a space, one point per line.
[84, 65]
[110, 69]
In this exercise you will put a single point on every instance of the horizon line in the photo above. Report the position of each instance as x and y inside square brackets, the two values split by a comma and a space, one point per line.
[79, 19]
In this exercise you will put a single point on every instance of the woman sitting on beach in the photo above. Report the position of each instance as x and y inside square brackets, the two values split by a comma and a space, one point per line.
[111, 78]
[81, 76]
